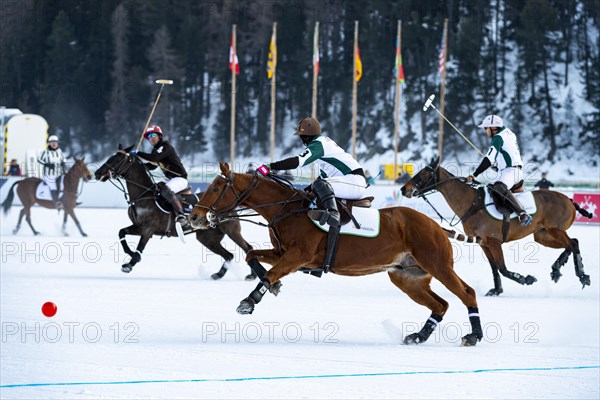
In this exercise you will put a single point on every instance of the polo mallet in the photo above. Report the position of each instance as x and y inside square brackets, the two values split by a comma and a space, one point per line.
[429, 103]
[162, 83]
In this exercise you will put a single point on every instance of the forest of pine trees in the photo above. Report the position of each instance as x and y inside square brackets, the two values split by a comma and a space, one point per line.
[87, 67]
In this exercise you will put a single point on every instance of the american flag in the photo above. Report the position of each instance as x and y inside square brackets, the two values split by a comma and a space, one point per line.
[441, 57]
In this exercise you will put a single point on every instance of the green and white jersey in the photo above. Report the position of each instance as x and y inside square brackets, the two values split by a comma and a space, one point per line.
[504, 150]
[331, 158]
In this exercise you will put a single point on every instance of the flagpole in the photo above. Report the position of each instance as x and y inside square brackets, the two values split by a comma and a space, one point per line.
[232, 132]
[315, 72]
[273, 93]
[397, 103]
[443, 93]
[354, 90]
[315, 83]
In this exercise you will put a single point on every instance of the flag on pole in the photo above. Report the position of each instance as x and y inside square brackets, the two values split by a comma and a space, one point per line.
[441, 56]
[272, 62]
[398, 68]
[316, 52]
[233, 59]
[358, 65]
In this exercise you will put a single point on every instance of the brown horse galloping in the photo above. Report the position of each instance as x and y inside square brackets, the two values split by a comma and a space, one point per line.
[555, 214]
[411, 247]
[28, 186]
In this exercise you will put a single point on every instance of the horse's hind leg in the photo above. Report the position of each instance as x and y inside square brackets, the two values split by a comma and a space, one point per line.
[416, 284]
[493, 251]
[583, 278]
[28, 219]
[211, 239]
[558, 239]
[21, 215]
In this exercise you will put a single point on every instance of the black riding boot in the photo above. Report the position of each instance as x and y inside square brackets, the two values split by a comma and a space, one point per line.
[173, 200]
[511, 200]
[330, 215]
[57, 203]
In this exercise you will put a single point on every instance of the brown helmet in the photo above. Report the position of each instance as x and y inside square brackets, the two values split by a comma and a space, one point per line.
[308, 127]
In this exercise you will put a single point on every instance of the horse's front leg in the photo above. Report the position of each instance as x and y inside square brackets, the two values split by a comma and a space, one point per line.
[71, 212]
[64, 226]
[137, 255]
[282, 265]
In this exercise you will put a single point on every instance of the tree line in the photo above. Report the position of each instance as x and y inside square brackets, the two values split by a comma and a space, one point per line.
[88, 67]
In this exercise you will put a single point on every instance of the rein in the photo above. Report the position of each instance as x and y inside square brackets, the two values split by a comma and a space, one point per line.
[422, 194]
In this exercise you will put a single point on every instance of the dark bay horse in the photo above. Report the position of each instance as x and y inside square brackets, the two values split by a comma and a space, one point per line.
[26, 191]
[411, 247]
[555, 214]
[149, 220]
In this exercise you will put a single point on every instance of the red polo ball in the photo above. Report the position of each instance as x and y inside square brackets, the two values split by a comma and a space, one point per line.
[49, 309]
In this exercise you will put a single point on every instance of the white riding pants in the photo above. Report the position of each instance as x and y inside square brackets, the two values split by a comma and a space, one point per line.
[177, 184]
[351, 187]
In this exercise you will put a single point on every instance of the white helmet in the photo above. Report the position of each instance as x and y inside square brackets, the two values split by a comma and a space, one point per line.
[492, 121]
[52, 138]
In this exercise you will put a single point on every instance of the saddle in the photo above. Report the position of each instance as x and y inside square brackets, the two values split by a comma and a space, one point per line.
[187, 198]
[501, 202]
[345, 207]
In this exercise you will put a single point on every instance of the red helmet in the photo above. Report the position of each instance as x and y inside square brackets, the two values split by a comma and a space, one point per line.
[153, 129]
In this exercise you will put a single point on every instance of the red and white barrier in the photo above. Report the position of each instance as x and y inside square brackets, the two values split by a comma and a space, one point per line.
[591, 203]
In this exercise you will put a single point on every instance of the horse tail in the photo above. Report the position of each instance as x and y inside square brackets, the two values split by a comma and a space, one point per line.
[582, 211]
[460, 237]
[7, 203]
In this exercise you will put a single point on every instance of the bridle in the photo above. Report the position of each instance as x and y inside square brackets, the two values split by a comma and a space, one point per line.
[422, 187]
[213, 217]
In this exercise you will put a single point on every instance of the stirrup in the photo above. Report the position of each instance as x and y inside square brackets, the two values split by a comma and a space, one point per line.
[525, 219]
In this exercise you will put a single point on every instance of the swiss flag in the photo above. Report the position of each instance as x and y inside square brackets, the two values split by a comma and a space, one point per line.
[233, 59]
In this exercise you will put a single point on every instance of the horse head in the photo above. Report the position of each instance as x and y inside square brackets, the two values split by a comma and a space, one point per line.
[423, 181]
[81, 170]
[117, 165]
[220, 196]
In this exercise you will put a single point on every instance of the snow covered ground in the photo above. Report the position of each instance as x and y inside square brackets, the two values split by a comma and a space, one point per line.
[167, 331]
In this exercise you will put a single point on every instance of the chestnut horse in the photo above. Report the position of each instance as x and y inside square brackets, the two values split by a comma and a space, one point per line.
[28, 186]
[555, 214]
[411, 247]
[149, 220]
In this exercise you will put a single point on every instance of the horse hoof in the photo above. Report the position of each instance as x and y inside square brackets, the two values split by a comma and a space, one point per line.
[470, 340]
[555, 275]
[529, 280]
[216, 276]
[36, 233]
[84, 234]
[250, 277]
[414, 338]
[275, 288]
[585, 280]
[494, 292]
[126, 268]
[246, 306]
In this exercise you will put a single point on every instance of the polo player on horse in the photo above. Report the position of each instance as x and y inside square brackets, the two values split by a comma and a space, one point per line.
[340, 175]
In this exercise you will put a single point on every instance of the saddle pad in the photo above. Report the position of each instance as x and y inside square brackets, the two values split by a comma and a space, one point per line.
[525, 198]
[42, 192]
[367, 218]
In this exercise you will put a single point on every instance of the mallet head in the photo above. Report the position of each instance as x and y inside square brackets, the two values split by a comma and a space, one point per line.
[428, 102]
[164, 81]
